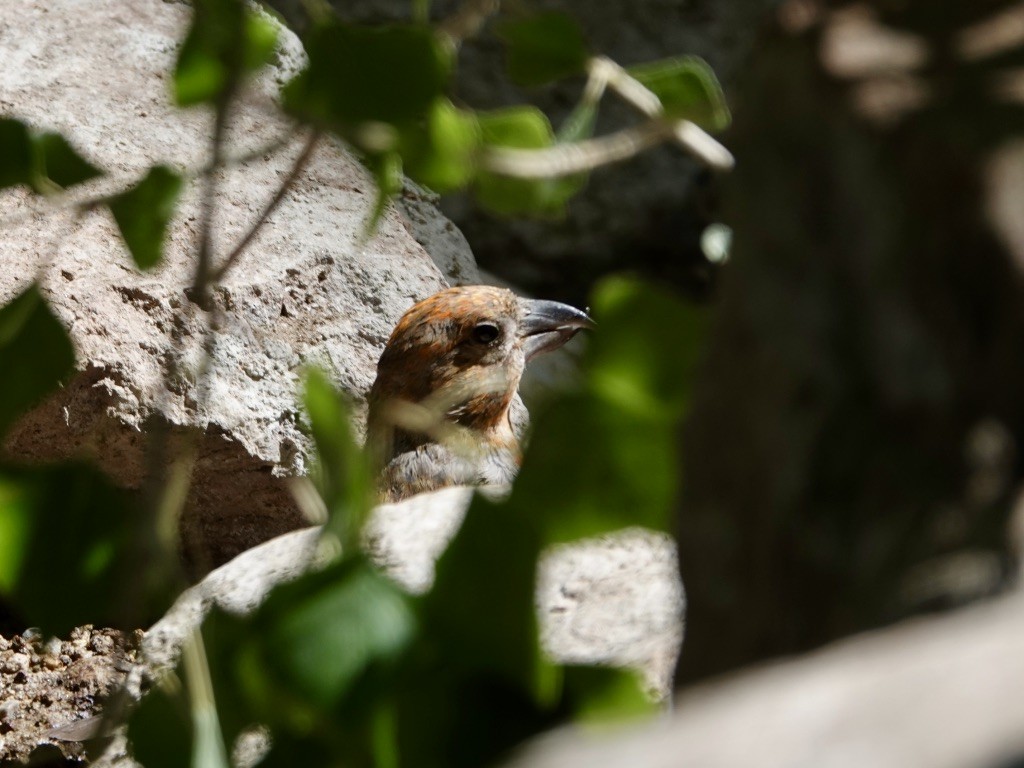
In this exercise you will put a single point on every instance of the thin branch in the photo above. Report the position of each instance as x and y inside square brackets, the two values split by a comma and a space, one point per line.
[628, 87]
[289, 180]
[686, 133]
[576, 157]
[204, 258]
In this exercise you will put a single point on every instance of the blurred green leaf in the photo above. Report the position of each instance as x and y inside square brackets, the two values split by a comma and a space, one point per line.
[645, 355]
[626, 477]
[35, 351]
[39, 160]
[160, 731]
[390, 74]
[494, 546]
[226, 39]
[343, 472]
[522, 128]
[313, 641]
[58, 161]
[688, 89]
[386, 168]
[66, 552]
[456, 719]
[287, 751]
[601, 695]
[17, 159]
[543, 47]
[143, 213]
[639, 367]
[443, 157]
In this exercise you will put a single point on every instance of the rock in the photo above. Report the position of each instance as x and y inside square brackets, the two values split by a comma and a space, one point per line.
[614, 600]
[307, 291]
[45, 691]
[932, 693]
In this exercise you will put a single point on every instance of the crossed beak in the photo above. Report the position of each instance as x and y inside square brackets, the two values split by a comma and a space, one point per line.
[547, 325]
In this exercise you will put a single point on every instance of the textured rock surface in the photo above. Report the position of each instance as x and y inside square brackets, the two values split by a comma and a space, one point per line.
[614, 600]
[936, 693]
[307, 291]
[46, 687]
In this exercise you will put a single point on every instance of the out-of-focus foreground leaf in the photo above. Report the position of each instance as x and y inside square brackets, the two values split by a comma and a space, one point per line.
[143, 212]
[443, 155]
[16, 157]
[606, 457]
[543, 47]
[58, 161]
[688, 90]
[35, 354]
[520, 128]
[356, 75]
[160, 730]
[342, 472]
[227, 39]
[41, 161]
[317, 660]
[66, 548]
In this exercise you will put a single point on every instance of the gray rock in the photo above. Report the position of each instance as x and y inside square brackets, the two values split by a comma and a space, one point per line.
[308, 290]
[932, 693]
[614, 600]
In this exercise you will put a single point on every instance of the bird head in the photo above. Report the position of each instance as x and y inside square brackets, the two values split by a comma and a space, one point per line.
[462, 352]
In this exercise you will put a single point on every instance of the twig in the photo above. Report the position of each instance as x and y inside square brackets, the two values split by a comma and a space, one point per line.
[204, 257]
[686, 133]
[289, 180]
[578, 156]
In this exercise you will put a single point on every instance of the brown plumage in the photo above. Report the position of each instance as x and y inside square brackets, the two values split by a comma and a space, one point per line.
[440, 409]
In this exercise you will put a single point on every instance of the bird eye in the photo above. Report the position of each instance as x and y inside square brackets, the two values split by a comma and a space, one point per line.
[485, 333]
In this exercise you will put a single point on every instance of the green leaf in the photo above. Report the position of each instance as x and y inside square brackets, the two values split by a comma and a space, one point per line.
[638, 378]
[443, 157]
[600, 695]
[688, 90]
[35, 350]
[343, 471]
[73, 516]
[58, 161]
[226, 40]
[632, 361]
[17, 158]
[40, 161]
[160, 731]
[390, 74]
[523, 128]
[543, 47]
[314, 641]
[143, 213]
[479, 631]
[386, 168]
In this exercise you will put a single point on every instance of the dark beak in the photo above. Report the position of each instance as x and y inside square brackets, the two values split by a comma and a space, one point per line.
[547, 325]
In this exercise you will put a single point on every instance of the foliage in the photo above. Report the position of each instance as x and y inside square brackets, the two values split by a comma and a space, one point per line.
[341, 665]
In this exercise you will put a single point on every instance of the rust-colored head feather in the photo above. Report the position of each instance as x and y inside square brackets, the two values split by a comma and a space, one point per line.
[455, 360]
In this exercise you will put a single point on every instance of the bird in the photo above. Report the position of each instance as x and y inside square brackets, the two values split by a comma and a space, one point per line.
[443, 408]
